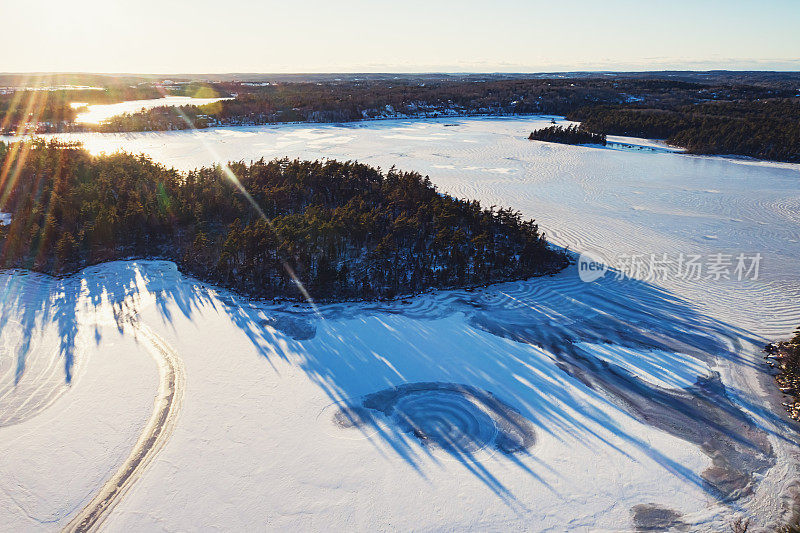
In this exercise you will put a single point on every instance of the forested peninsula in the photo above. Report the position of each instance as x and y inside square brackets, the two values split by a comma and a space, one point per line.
[345, 230]
[768, 129]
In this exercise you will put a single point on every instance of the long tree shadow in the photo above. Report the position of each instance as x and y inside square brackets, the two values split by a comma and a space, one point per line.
[560, 353]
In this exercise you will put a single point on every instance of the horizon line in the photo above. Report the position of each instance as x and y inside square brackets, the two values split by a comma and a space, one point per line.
[397, 72]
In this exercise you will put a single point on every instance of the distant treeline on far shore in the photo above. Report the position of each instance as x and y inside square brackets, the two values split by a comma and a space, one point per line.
[754, 114]
[768, 129]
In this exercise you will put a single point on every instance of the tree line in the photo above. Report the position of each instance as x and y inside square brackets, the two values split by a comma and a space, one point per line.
[740, 115]
[360, 100]
[345, 229]
[764, 129]
[43, 110]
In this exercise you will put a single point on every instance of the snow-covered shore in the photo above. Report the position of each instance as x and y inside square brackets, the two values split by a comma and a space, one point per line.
[647, 398]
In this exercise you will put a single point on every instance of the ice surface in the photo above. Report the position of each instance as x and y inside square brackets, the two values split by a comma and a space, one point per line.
[633, 386]
[97, 113]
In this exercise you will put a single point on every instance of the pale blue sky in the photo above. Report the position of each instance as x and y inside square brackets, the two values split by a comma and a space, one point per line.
[403, 35]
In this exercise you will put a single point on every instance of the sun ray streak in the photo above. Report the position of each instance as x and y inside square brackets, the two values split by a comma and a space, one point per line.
[231, 176]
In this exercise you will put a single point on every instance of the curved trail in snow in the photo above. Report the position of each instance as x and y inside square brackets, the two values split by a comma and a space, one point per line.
[156, 433]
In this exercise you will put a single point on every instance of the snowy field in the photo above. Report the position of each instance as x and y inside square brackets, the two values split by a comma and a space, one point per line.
[548, 404]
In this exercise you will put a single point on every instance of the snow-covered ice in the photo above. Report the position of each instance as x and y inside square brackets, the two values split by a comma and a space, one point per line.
[633, 388]
[97, 113]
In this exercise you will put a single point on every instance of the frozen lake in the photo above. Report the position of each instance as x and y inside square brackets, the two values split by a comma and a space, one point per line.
[610, 404]
[98, 113]
[605, 201]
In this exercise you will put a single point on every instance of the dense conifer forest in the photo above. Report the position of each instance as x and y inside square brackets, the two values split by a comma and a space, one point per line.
[346, 229]
[765, 129]
[567, 135]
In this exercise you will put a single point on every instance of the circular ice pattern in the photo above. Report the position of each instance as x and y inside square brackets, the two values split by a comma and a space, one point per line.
[460, 420]
[445, 419]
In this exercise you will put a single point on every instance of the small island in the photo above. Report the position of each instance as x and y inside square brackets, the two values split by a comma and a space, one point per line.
[339, 230]
[567, 135]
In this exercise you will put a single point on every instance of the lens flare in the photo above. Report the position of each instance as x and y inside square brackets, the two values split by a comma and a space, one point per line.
[29, 106]
[234, 180]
